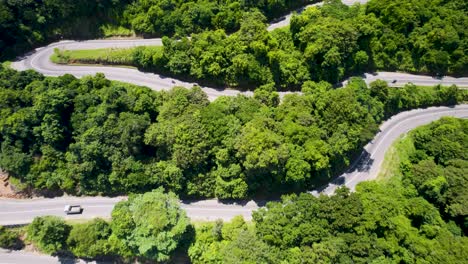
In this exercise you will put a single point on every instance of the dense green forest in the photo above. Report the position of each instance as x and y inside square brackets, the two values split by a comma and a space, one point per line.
[150, 226]
[420, 217]
[27, 23]
[93, 136]
[169, 17]
[326, 43]
[438, 168]
[323, 43]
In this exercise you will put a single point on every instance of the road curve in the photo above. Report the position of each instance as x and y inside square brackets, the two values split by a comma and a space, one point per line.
[39, 60]
[14, 211]
[367, 167]
[285, 20]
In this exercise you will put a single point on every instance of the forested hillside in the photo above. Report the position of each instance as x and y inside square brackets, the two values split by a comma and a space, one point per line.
[438, 169]
[418, 218]
[421, 219]
[93, 136]
[326, 43]
[158, 18]
[28, 23]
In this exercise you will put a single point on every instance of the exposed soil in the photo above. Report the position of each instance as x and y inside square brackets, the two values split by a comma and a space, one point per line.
[6, 189]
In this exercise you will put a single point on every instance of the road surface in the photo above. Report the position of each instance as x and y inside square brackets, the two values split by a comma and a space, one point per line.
[39, 60]
[14, 211]
[367, 167]
[23, 211]
[285, 20]
[23, 257]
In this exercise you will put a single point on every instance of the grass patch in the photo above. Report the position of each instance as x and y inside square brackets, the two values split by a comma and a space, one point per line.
[109, 56]
[95, 56]
[399, 152]
[110, 31]
[17, 184]
[6, 64]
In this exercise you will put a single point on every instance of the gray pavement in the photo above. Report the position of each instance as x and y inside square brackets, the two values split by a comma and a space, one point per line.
[23, 257]
[285, 20]
[21, 211]
[366, 168]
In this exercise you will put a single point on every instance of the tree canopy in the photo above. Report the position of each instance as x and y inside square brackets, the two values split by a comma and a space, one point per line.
[149, 225]
[327, 43]
[93, 136]
[28, 23]
[417, 218]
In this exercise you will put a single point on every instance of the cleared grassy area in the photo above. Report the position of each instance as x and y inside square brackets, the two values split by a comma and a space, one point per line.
[95, 56]
[399, 152]
[6, 64]
[110, 31]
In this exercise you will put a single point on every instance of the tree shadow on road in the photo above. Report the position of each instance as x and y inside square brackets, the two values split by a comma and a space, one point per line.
[362, 164]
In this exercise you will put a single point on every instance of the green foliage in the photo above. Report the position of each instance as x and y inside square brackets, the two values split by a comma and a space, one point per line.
[230, 242]
[156, 17]
[25, 24]
[93, 136]
[322, 43]
[327, 43]
[437, 168]
[90, 239]
[48, 233]
[8, 238]
[369, 225]
[420, 218]
[149, 225]
[110, 56]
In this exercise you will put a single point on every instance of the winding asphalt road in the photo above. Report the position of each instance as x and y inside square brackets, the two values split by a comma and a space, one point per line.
[39, 60]
[285, 20]
[366, 168]
[13, 212]
[23, 211]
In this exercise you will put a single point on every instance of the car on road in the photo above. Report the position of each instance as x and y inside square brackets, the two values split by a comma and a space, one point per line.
[394, 81]
[73, 209]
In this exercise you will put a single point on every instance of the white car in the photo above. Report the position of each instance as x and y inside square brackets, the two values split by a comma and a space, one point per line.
[73, 209]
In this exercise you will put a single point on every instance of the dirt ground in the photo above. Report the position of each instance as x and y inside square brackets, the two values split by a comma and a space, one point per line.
[6, 189]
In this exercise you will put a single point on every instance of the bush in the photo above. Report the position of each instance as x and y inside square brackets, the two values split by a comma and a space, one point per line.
[8, 239]
[48, 233]
[89, 240]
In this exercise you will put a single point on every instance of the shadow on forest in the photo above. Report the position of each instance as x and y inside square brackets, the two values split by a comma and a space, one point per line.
[362, 163]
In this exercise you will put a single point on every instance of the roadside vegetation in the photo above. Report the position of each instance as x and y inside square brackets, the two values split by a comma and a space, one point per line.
[418, 218]
[93, 136]
[147, 227]
[326, 43]
[97, 56]
[11, 238]
[399, 152]
[27, 24]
